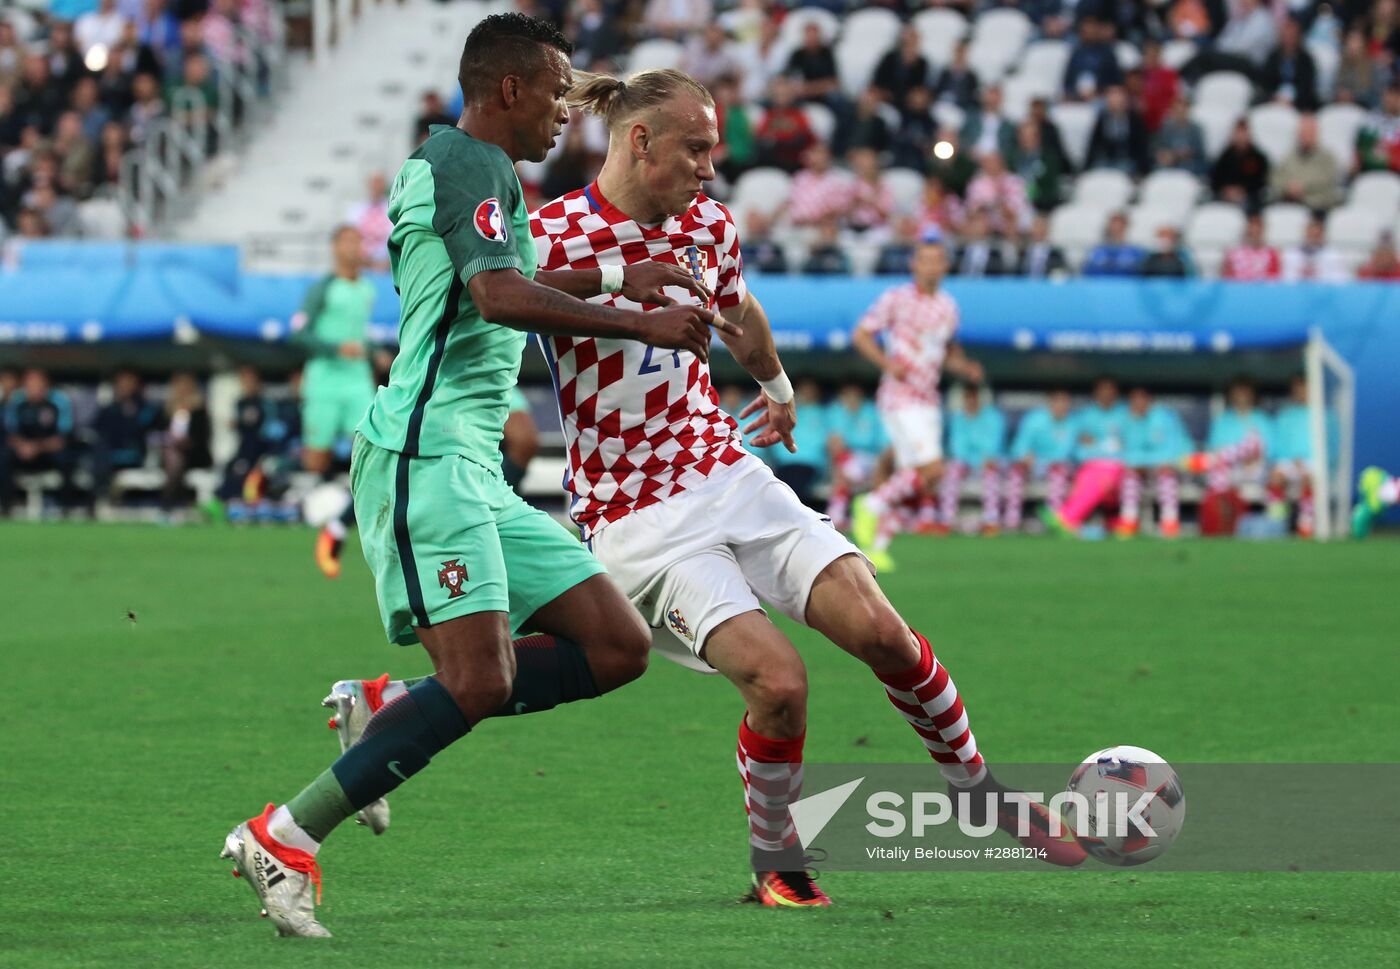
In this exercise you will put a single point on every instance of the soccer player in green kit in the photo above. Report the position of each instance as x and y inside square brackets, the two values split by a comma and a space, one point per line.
[337, 384]
[461, 564]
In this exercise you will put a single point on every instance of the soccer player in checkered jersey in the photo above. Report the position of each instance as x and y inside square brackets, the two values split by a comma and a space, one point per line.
[919, 323]
[696, 529]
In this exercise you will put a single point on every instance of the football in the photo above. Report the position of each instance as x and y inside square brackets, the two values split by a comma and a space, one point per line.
[1118, 786]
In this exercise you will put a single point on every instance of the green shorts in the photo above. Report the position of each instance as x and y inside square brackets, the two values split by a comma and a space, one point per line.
[446, 537]
[326, 418]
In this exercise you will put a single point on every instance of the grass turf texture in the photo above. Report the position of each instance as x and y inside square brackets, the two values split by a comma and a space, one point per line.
[611, 833]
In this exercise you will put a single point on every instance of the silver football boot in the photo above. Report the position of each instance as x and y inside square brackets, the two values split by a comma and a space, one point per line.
[287, 895]
[352, 713]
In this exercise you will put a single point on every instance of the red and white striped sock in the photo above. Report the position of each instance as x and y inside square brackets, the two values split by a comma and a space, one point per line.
[1056, 484]
[950, 490]
[1222, 462]
[1306, 514]
[1130, 498]
[1168, 496]
[1015, 497]
[886, 499]
[771, 768]
[928, 510]
[927, 698]
[991, 494]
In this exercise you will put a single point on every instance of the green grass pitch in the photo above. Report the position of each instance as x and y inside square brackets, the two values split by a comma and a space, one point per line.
[611, 833]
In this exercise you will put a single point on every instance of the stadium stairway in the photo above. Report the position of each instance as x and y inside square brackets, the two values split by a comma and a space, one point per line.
[342, 119]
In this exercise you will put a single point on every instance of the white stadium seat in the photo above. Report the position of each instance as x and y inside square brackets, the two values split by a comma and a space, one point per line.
[1216, 124]
[1171, 188]
[1017, 93]
[1377, 192]
[1274, 128]
[1215, 226]
[949, 115]
[790, 34]
[1127, 55]
[821, 121]
[1076, 124]
[866, 36]
[873, 24]
[1145, 220]
[1354, 231]
[855, 65]
[1327, 59]
[1176, 53]
[654, 55]
[990, 61]
[1077, 228]
[1285, 223]
[998, 37]
[1043, 65]
[1224, 90]
[765, 189]
[1104, 188]
[1337, 125]
[907, 187]
[939, 32]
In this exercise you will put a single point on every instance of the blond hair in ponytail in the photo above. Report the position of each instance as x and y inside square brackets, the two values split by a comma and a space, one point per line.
[618, 101]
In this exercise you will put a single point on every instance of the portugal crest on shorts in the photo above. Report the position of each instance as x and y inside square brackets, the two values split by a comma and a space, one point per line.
[491, 221]
[677, 622]
[451, 577]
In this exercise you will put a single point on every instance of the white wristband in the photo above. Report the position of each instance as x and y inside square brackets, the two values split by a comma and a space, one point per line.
[779, 389]
[610, 278]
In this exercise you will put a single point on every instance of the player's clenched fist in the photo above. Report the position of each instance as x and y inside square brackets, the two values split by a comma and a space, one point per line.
[684, 328]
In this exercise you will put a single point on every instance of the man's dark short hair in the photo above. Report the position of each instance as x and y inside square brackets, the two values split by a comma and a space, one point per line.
[505, 43]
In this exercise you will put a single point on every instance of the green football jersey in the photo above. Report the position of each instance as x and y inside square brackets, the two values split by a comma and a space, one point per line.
[457, 209]
[335, 311]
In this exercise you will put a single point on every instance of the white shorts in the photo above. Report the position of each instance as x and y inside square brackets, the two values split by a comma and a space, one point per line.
[916, 433]
[695, 559]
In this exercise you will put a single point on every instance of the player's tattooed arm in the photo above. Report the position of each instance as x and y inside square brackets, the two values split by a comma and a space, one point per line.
[642, 282]
[507, 298]
[756, 353]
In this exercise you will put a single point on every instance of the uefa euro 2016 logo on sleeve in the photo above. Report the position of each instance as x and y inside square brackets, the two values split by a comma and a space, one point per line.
[491, 221]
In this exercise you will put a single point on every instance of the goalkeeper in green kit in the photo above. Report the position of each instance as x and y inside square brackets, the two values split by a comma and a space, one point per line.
[461, 564]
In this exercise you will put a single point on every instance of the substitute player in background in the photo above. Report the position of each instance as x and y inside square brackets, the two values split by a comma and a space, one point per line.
[1043, 448]
[919, 323]
[695, 529]
[337, 383]
[460, 562]
[855, 442]
[1292, 458]
[1154, 443]
[976, 442]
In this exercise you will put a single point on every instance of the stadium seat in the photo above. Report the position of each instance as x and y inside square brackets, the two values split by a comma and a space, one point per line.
[1042, 66]
[1128, 55]
[1284, 224]
[1327, 59]
[1077, 228]
[949, 115]
[1224, 90]
[1171, 188]
[101, 218]
[875, 25]
[1275, 130]
[998, 37]
[1017, 93]
[939, 32]
[866, 36]
[1076, 125]
[990, 61]
[765, 189]
[1216, 124]
[790, 34]
[1377, 192]
[1337, 125]
[654, 55]
[1104, 188]
[821, 121]
[1175, 53]
[1145, 220]
[1354, 231]
[1214, 227]
[907, 187]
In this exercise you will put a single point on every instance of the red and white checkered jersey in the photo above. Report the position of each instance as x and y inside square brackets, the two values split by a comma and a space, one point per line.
[917, 328]
[1251, 263]
[641, 423]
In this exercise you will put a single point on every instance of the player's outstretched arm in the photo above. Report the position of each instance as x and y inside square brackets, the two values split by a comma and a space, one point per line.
[642, 282]
[507, 298]
[753, 347]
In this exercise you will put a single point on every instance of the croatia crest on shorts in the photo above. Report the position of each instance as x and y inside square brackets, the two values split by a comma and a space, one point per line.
[491, 221]
[678, 624]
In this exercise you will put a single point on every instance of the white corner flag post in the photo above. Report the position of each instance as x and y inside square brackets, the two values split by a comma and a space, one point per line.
[1332, 483]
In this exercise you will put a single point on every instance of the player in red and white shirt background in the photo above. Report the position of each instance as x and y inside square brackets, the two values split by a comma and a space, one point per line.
[918, 323]
[695, 529]
[1253, 259]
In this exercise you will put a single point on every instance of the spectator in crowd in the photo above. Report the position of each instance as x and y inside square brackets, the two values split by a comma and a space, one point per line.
[940, 210]
[60, 212]
[1119, 140]
[675, 19]
[707, 55]
[736, 150]
[193, 98]
[1241, 173]
[1179, 142]
[784, 135]
[1038, 168]
[102, 27]
[1043, 448]
[11, 56]
[1360, 79]
[1052, 145]
[914, 139]
[761, 254]
[1160, 86]
[765, 59]
[1314, 260]
[871, 203]
[1170, 258]
[854, 444]
[91, 112]
[902, 69]
[185, 436]
[1378, 140]
[987, 129]
[745, 20]
[819, 191]
[38, 427]
[1289, 74]
[9, 383]
[1154, 443]
[249, 417]
[431, 111]
[1249, 37]
[1000, 195]
[77, 160]
[950, 163]
[1310, 175]
[147, 106]
[40, 100]
[1253, 260]
[1115, 256]
[814, 66]
[1383, 264]
[1040, 258]
[12, 122]
[827, 256]
[957, 83]
[1383, 30]
[979, 254]
[869, 126]
[596, 34]
[1093, 65]
[111, 151]
[803, 469]
[371, 217]
[976, 442]
[122, 429]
